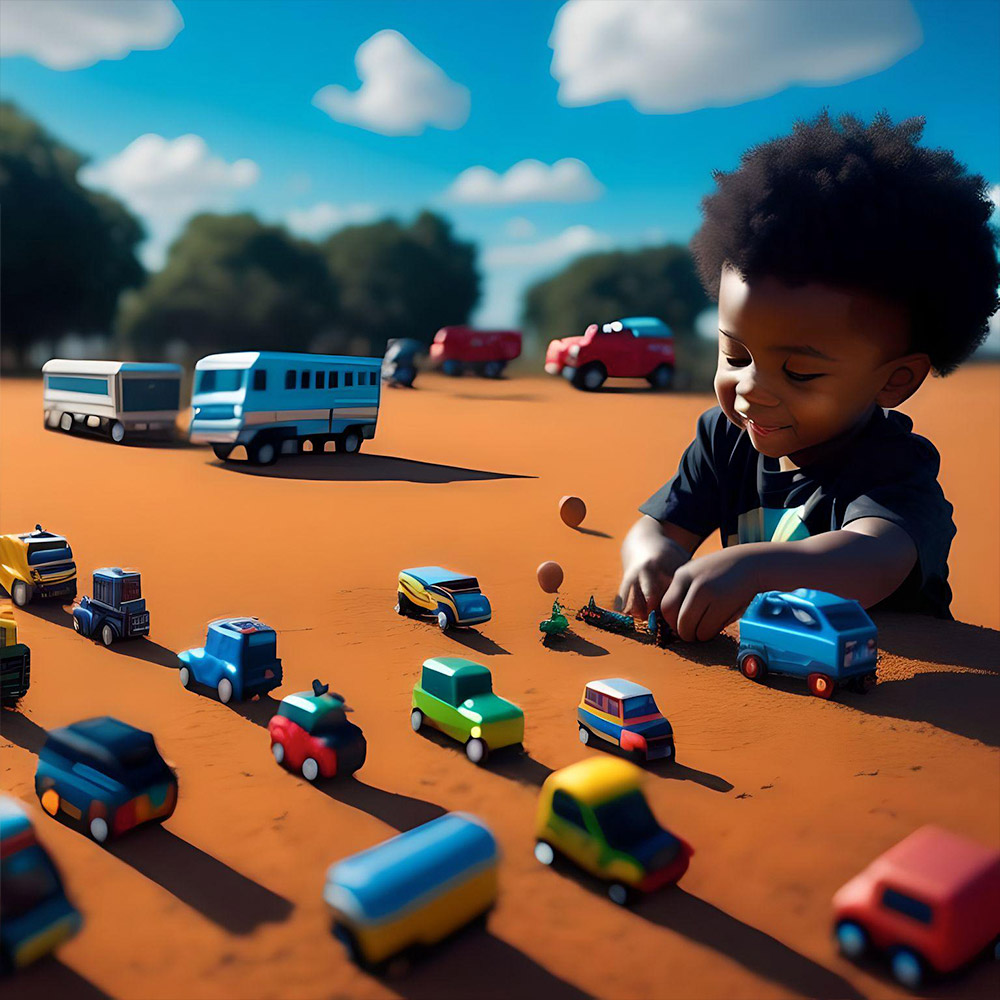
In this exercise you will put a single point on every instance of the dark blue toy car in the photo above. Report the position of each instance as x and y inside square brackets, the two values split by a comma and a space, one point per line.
[116, 611]
[104, 777]
[239, 660]
[826, 639]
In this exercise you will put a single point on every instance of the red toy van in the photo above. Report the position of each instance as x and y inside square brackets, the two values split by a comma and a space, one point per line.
[931, 904]
[485, 351]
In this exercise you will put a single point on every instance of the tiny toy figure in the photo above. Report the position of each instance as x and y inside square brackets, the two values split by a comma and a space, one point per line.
[610, 621]
[595, 814]
[399, 365]
[36, 564]
[239, 660]
[486, 352]
[15, 663]
[454, 599]
[116, 611]
[624, 714]
[414, 889]
[37, 916]
[311, 734]
[556, 625]
[639, 347]
[931, 904]
[104, 777]
[826, 639]
[456, 696]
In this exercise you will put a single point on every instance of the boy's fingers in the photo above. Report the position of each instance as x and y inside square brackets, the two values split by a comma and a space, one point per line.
[636, 599]
[692, 610]
[670, 606]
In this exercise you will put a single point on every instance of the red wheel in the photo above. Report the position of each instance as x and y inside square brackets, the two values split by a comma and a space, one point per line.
[821, 685]
[752, 667]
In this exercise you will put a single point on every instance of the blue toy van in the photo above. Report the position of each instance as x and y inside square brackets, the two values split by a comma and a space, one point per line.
[828, 640]
[239, 659]
[116, 611]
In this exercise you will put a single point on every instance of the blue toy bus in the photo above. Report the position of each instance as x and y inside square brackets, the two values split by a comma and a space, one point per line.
[274, 403]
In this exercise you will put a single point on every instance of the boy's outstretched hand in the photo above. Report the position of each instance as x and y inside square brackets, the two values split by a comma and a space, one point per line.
[651, 554]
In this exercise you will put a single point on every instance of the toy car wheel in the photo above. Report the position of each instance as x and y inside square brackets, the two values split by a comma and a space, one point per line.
[852, 939]
[753, 667]
[20, 593]
[476, 750]
[452, 367]
[185, 677]
[349, 443]
[618, 893]
[222, 451]
[821, 686]
[99, 829]
[310, 769]
[661, 377]
[107, 635]
[907, 968]
[864, 683]
[416, 720]
[225, 690]
[262, 452]
[590, 377]
[117, 432]
[544, 853]
[584, 735]
[443, 621]
[77, 627]
[278, 751]
[66, 421]
[493, 369]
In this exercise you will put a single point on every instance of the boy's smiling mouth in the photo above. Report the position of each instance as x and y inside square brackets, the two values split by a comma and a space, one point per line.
[762, 430]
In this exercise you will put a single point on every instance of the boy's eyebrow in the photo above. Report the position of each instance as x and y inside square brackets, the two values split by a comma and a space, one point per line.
[811, 352]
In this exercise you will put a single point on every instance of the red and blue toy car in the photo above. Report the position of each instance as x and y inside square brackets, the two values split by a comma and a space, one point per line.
[487, 352]
[618, 712]
[116, 611]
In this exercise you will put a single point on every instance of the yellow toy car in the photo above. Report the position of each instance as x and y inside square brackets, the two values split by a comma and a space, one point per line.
[36, 564]
[453, 599]
[594, 813]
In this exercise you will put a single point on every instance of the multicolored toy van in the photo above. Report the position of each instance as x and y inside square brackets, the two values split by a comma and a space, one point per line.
[453, 599]
[621, 713]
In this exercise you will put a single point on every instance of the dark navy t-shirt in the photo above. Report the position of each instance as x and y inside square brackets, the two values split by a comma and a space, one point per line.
[885, 470]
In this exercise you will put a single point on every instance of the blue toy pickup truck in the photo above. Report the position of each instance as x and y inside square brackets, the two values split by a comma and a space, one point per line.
[807, 633]
[116, 611]
[238, 660]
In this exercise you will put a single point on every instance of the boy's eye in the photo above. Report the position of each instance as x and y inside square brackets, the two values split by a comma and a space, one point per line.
[737, 362]
[802, 376]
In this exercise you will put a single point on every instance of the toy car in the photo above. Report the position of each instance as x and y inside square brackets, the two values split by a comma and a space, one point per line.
[638, 347]
[37, 916]
[239, 659]
[15, 664]
[416, 888]
[36, 564]
[311, 734]
[399, 365]
[931, 904]
[456, 696]
[594, 813]
[452, 598]
[807, 633]
[485, 351]
[104, 777]
[117, 609]
[624, 714]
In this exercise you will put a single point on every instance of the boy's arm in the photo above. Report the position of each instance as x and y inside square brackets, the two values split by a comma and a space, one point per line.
[866, 561]
[651, 554]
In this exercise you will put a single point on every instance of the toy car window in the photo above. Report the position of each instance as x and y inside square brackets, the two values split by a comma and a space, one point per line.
[636, 708]
[304, 380]
[847, 616]
[434, 684]
[804, 617]
[915, 909]
[131, 589]
[593, 698]
[334, 379]
[627, 821]
[372, 378]
[260, 380]
[290, 379]
[613, 706]
[565, 808]
[348, 379]
[320, 380]
[470, 686]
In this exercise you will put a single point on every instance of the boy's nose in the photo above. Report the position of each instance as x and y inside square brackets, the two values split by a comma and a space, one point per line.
[751, 388]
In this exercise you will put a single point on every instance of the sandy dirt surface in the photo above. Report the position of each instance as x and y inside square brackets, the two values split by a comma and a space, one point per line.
[784, 796]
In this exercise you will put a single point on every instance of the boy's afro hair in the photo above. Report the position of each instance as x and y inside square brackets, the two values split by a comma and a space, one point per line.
[862, 207]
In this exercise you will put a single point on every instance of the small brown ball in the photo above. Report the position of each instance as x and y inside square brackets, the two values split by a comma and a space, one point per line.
[572, 510]
[550, 576]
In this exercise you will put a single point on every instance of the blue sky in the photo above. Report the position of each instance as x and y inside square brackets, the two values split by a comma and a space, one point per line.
[242, 77]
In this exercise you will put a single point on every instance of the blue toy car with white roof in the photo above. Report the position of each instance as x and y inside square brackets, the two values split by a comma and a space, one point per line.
[826, 639]
[239, 660]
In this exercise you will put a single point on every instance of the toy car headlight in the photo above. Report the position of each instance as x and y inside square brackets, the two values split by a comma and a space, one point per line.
[238, 410]
[476, 732]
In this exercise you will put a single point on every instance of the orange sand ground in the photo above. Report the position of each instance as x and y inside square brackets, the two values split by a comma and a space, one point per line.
[784, 796]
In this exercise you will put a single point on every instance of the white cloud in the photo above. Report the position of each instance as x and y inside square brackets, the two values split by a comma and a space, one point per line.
[324, 217]
[529, 180]
[519, 228]
[73, 34]
[167, 180]
[569, 243]
[402, 92]
[672, 56]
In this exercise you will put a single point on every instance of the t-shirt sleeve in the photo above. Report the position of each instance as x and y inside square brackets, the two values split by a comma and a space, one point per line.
[691, 499]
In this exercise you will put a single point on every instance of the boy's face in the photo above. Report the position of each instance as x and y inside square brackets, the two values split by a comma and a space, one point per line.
[800, 366]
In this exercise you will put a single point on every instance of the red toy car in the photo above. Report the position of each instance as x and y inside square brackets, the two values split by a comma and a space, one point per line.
[931, 903]
[639, 347]
[485, 351]
[311, 734]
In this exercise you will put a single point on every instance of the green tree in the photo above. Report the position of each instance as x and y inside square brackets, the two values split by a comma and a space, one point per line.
[66, 252]
[232, 283]
[402, 281]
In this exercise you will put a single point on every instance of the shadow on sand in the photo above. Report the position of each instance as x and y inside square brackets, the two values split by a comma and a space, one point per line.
[401, 812]
[50, 611]
[573, 642]
[147, 651]
[48, 979]
[22, 731]
[476, 641]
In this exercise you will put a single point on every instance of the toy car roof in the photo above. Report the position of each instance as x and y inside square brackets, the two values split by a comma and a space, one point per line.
[809, 598]
[617, 687]
[431, 575]
[315, 706]
[247, 359]
[241, 626]
[597, 779]
[39, 534]
[638, 322]
[70, 367]
[456, 666]
[116, 571]
[103, 739]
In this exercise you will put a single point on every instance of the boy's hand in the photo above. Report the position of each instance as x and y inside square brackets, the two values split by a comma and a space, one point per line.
[651, 554]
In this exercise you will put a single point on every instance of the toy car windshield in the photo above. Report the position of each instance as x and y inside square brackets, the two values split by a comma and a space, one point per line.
[628, 822]
[141, 766]
[262, 648]
[42, 552]
[847, 616]
[636, 708]
[471, 687]
[330, 722]
[460, 585]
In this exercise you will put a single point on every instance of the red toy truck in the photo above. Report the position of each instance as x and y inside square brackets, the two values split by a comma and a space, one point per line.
[638, 347]
[484, 351]
[931, 903]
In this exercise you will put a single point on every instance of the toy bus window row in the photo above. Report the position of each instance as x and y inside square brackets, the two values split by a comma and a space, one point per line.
[603, 702]
[304, 379]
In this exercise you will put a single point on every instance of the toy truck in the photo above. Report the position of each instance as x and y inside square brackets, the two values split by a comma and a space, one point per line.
[36, 564]
[116, 611]
[239, 659]
[486, 352]
[15, 663]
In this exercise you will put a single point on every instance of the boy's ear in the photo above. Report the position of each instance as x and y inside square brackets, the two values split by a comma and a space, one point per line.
[905, 376]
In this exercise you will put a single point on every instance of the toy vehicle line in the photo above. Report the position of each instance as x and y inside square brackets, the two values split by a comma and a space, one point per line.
[310, 734]
[622, 624]
[595, 814]
[399, 364]
[37, 915]
[15, 663]
[931, 903]
[116, 611]
[455, 696]
[486, 352]
[454, 599]
[239, 659]
[413, 889]
[36, 564]
[637, 347]
[826, 639]
[556, 625]
[112, 398]
[624, 714]
[104, 777]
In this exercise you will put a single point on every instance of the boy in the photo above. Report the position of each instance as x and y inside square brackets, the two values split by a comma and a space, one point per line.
[847, 262]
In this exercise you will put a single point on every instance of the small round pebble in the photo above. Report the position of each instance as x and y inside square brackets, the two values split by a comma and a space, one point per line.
[550, 576]
[572, 510]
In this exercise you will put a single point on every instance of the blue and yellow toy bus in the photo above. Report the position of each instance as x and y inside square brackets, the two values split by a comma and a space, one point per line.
[624, 714]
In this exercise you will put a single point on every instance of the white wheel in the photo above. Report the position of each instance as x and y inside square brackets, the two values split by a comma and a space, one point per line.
[398, 609]
[442, 620]
[185, 677]
[99, 829]
[107, 635]
[66, 421]
[20, 593]
[584, 735]
[475, 750]
[225, 690]
[76, 624]
[544, 852]
[117, 432]
[618, 893]
[310, 769]
[279, 752]
[416, 720]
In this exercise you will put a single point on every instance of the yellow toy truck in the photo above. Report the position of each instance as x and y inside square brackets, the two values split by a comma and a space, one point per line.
[15, 662]
[36, 564]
